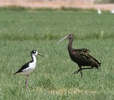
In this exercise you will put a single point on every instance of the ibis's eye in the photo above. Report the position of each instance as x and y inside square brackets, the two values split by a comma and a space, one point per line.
[70, 36]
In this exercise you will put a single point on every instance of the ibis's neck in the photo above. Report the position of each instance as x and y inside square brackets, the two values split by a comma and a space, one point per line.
[70, 45]
[33, 58]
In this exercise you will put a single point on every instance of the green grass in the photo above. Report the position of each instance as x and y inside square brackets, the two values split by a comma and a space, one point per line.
[24, 30]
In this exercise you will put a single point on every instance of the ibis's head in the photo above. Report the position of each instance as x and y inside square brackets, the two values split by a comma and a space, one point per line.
[35, 52]
[70, 36]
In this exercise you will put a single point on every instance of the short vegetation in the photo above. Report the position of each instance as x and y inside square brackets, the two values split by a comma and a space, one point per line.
[23, 30]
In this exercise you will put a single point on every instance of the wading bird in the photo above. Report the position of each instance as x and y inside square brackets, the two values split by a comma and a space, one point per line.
[27, 68]
[99, 11]
[80, 56]
[112, 11]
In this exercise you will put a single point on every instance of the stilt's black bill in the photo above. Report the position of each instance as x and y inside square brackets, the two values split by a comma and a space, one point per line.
[40, 55]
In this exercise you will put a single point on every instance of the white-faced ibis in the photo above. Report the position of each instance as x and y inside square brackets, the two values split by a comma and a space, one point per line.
[80, 56]
[28, 67]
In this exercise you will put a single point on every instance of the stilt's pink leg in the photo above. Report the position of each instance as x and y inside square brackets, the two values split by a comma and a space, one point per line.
[26, 81]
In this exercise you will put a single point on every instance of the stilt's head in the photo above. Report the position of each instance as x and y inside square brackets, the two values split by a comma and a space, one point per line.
[70, 36]
[34, 52]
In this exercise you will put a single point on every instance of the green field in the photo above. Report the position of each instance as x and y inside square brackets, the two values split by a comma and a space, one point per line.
[22, 30]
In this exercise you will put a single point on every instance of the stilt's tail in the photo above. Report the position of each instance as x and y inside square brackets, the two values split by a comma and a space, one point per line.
[15, 73]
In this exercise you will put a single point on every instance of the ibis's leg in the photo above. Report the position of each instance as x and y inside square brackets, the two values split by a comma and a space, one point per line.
[87, 68]
[80, 70]
[77, 71]
[26, 81]
[81, 73]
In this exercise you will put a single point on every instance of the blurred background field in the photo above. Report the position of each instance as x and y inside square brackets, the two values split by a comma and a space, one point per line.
[57, 4]
[25, 29]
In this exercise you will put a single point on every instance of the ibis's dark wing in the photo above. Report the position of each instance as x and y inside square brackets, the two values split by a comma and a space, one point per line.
[94, 59]
[85, 53]
[89, 58]
[22, 68]
[82, 50]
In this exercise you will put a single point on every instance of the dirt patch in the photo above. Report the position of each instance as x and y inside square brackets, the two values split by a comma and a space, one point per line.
[71, 91]
[58, 5]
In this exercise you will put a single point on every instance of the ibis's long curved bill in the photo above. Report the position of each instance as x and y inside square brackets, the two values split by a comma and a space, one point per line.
[62, 39]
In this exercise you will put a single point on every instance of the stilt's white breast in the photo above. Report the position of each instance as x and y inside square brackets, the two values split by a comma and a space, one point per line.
[29, 69]
[31, 66]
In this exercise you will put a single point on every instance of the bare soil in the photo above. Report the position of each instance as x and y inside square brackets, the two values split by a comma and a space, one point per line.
[58, 5]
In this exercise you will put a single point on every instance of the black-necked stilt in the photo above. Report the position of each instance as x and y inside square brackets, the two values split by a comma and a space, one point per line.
[28, 67]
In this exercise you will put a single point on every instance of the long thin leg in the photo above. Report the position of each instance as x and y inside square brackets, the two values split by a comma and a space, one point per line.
[26, 81]
[81, 73]
[80, 70]
[83, 69]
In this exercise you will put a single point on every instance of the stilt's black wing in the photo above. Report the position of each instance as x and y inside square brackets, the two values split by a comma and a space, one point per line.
[22, 68]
